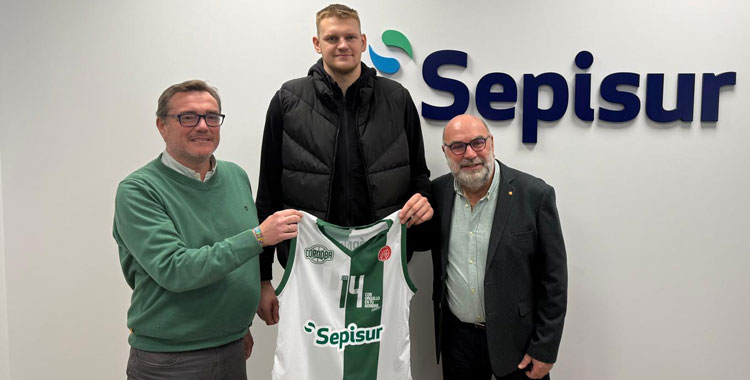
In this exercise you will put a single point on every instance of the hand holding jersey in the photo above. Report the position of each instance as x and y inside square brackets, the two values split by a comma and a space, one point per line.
[417, 210]
[282, 225]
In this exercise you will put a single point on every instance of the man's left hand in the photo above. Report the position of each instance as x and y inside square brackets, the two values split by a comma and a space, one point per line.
[417, 210]
[268, 308]
[538, 369]
[247, 344]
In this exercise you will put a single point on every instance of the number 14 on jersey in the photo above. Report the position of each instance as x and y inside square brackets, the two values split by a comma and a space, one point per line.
[352, 287]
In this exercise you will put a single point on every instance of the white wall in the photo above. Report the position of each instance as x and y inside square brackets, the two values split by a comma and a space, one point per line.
[655, 217]
[4, 351]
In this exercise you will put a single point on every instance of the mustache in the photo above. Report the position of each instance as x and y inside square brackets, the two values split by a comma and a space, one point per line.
[467, 162]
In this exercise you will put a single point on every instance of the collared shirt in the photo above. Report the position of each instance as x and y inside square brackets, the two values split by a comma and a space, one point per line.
[467, 251]
[171, 163]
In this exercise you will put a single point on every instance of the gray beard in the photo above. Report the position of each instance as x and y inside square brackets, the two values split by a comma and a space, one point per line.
[472, 181]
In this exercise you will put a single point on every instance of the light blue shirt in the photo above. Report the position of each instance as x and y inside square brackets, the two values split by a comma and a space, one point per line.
[467, 252]
[171, 163]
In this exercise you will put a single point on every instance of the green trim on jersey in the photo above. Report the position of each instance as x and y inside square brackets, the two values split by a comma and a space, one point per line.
[324, 226]
[404, 264]
[289, 265]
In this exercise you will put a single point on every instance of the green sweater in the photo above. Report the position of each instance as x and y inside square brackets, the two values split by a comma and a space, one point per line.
[188, 252]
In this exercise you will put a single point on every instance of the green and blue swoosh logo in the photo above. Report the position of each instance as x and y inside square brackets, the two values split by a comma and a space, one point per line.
[392, 38]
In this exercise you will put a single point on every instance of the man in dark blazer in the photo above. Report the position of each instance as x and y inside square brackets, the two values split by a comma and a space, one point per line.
[500, 276]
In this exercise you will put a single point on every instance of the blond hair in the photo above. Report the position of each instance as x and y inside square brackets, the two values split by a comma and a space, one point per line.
[336, 10]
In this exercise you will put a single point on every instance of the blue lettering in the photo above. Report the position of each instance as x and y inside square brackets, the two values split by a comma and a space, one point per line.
[655, 98]
[457, 88]
[712, 85]
[582, 87]
[531, 112]
[631, 105]
[485, 96]
[611, 90]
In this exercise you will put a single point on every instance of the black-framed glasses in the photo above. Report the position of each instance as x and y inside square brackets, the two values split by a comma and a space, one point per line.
[477, 145]
[192, 119]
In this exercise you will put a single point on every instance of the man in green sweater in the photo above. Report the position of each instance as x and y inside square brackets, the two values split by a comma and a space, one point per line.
[189, 240]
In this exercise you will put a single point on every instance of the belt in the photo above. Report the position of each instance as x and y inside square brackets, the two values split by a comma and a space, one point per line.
[475, 325]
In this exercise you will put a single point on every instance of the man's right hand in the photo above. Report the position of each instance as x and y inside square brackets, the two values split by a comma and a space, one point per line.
[268, 309]
[280, 226]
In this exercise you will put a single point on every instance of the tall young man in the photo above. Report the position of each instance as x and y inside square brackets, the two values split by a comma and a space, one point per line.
[340, 143]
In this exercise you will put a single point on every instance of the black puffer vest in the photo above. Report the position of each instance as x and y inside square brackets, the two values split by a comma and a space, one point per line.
[310, 134]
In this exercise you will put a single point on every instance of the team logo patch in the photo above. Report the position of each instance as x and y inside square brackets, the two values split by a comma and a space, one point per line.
[318, 254]
[385, 253]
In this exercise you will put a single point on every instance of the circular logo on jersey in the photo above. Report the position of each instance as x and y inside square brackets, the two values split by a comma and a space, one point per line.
[318, 254]
[385, 253]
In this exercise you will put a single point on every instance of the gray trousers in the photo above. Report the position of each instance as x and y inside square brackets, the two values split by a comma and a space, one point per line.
[225, 362]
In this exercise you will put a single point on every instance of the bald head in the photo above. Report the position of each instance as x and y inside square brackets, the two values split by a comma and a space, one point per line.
[464, 122]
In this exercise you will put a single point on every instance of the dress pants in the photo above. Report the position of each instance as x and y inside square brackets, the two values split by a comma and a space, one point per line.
[225, 362]
[465, 355]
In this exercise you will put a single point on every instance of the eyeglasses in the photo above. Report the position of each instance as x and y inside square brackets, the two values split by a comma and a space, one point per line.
[192, 119]
[477, 145]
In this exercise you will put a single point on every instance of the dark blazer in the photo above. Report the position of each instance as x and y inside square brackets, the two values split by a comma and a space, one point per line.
[525, 284]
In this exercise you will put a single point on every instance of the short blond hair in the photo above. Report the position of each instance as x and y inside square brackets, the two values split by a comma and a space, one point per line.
[336, 10]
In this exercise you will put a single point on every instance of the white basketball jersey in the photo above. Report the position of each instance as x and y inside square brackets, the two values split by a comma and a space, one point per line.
[344, 303]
